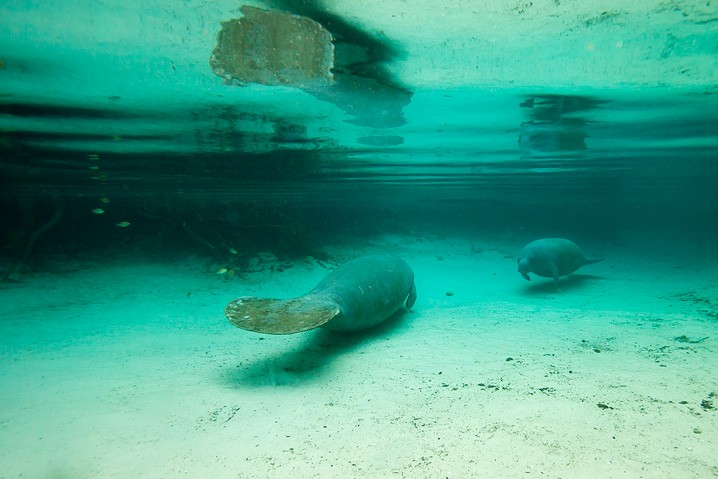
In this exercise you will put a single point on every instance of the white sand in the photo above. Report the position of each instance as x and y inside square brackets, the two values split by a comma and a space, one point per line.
[130, 370]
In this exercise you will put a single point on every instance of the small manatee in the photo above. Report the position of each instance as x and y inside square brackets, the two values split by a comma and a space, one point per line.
[551, 258]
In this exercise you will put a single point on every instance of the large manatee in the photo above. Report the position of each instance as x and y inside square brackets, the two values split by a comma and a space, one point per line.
[358, 294]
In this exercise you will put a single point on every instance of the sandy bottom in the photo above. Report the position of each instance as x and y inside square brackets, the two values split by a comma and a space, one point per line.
[131, 370]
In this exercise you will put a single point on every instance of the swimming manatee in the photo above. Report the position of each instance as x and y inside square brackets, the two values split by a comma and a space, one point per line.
[357, 295]
[551, 258]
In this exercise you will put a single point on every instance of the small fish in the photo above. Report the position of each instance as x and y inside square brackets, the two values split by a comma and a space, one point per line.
[98, 211]
[104, 200]
[123, 224]
[227, 273]
[233, 251]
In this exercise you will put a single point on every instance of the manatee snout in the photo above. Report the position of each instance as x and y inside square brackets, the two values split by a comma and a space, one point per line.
[525, 268]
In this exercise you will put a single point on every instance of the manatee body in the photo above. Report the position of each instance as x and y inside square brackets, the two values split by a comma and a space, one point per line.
[551, 258]
[357, 295]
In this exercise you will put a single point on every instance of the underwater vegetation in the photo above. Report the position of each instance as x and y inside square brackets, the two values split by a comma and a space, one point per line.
[37, 229]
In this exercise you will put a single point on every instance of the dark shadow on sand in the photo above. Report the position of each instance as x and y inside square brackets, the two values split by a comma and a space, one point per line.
[308, 359]
[539, 285]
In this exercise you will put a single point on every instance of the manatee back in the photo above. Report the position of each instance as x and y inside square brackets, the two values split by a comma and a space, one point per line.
[569, 256]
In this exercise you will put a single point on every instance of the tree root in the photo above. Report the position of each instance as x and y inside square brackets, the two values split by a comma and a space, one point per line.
[13, 274]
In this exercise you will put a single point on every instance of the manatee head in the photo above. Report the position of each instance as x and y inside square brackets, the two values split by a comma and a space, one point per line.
[525, 267]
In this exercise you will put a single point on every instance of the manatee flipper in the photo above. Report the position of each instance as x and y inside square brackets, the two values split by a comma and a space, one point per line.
[555, 274]
[281, 316]
[411, 299]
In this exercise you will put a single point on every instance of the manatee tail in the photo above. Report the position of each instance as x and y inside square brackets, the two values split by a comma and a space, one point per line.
[281, 316]
[594, 260]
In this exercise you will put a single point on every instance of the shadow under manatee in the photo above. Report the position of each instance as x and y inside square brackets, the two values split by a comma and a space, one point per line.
[306, 361]
[566, 283]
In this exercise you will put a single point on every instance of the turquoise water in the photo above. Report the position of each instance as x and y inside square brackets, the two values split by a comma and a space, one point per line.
[603, 164]
[556, 117]
[141, 192]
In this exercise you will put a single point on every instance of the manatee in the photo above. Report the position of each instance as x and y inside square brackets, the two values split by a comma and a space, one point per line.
[357, 295]
[551, 258]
